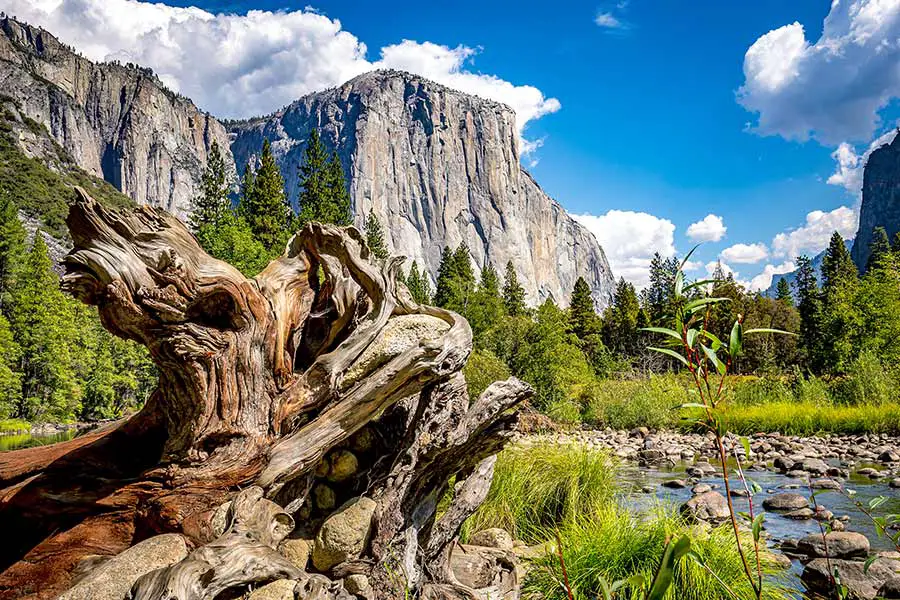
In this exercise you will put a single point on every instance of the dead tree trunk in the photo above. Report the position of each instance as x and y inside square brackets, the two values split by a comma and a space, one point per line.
[264, 382]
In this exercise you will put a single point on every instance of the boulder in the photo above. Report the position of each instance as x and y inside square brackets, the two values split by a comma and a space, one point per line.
[825, 484]
[701, 488]
[861, 584]
[492, 538]
[324, 497]
[800, 514]
[889, 456]
[890, 589]
[816, 466]
[839, 544]
[676, 484]
[297, 551]
[112, 579]
[708, 506]
[358, 585]
[343, 534]
[343, 465]
[785, 501]
[490, 569]
[282, 589]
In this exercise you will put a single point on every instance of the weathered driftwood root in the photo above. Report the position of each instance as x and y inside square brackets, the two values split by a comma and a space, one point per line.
[316, 382]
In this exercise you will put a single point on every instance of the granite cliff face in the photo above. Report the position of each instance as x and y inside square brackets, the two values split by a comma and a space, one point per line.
[117, 122]
[438, 167]
[880, 199]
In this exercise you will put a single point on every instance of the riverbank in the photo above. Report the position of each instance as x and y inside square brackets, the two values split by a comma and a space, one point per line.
[804, 484]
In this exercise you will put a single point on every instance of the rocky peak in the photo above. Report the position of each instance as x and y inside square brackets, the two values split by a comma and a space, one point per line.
[438, 167]
[880, 199]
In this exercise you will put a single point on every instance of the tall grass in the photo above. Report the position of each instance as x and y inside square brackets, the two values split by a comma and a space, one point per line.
[614, 544]
[544, 486]
[548, 487]
[804, 418]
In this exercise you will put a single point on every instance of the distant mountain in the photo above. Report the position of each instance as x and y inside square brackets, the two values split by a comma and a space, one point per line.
[880, 199]
[792, 276]
[438, 167]
[116, 122]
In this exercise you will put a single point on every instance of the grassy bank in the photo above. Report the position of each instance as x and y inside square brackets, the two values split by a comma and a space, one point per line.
[14, 426]
[547, 488]
[865, 400]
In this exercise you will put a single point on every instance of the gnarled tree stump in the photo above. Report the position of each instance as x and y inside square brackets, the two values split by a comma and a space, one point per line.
[317, 381]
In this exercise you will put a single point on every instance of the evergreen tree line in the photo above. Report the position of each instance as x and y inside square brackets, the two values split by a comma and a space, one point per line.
[254, 230]
[57, 362]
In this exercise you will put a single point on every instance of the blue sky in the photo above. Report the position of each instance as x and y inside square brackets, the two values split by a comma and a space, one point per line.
[653, 110]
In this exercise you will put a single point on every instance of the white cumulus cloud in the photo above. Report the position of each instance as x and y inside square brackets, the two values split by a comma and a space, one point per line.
[241, 65]
[608, 20]
[848, 171]
[764, 280]
[813, 237]
[832, 88]
[630, 239]
[710, 228]
[745, 253]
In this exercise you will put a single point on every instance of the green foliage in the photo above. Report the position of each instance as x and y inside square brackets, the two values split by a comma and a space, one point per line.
[10, 378]
[264, 204]
[45, 193]
[550, 360]
[486, 308]
[12, 247]
[323, 188]
[233, 241]
[456, 280]
[657, 297]
[867, 382]
[375, 237]
[482, 369]
[513, 292]
[621, 320]
[802, 418]
[545, 486]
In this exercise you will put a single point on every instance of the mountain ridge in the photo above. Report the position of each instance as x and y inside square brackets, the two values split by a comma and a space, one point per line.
[438, 166]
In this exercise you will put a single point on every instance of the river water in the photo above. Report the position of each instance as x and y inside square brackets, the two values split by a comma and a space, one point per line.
[16, 441]
[779, 528]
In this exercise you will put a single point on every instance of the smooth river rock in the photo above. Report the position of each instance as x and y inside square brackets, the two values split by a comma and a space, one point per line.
[839, 544]
[862, 585]
[112, 579]
[343, 534]
[785, 501]
[708, 506]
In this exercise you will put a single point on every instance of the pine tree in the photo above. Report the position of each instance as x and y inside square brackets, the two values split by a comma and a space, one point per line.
[808, 304]
[375, 237]
[487, 305]
[418, 284]
[323, 187]
[620, 320]
[443, 290]
[657, 296]
[513, 293]
[879, 249]
[337, 210]
[783, 291]
[43, 325]
[12, 248]
[213, 203]
[837, 265]
[895, 243]
[10, 379]
[582, 317]
[264, 205]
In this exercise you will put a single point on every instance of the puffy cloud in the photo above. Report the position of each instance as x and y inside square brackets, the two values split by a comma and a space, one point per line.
[241, 65]
[745, 253]
[692, 265]
[630, 239]
[848, 171]
[709, 229]
[764, 280]
[813, 237]
[832, 88]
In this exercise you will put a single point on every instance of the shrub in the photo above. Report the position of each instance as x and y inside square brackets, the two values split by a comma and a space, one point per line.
[483, 369]
[627, 404]
[866, 382]
[753, 391]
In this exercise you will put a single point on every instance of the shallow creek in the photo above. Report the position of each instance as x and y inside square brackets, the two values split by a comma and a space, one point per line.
[634, 477]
